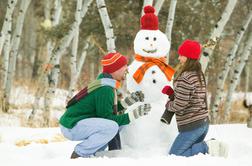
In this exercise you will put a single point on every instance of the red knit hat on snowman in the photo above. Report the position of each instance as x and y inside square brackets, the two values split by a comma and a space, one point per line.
[190, 49]
[149, 21]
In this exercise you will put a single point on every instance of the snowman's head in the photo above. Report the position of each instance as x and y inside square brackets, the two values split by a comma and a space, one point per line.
[151, 43]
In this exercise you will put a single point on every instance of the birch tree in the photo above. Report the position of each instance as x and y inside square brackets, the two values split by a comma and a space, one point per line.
[55, 22]
[14, 52]
[169, 24]
[76, 67]
[217, 32]
[247, 81]
[158, 5]
[74, 51]
[55, 59]
[237, 72]
[5, 37]
[223, 74]
[146, 3]
[108, 28]
[49, 22]
[6, 28]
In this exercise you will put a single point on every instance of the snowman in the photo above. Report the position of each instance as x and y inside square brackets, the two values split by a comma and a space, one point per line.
[150, 73]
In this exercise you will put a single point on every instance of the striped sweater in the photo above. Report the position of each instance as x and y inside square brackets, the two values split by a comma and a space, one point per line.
[189, 103]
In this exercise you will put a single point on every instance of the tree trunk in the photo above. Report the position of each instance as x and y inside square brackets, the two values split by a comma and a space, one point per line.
[237, 72]
[169, 24]
[223, 74]
[108, 28]
[73, 59]
[14, 52]
[55, 18]
[6, 29]
[247, 75]
[249, 122]
[217, 33]
[55, 58]
[55, 21]
[5, 37]
[158, 6]
[146, 3]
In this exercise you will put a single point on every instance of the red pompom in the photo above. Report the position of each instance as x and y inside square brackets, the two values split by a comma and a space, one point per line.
[149, 21]
[149, 9]
[167, 90]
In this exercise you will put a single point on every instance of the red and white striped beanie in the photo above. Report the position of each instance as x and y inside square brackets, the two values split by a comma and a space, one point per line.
[113, 62]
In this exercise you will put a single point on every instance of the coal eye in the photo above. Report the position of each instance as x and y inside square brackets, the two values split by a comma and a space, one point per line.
[153, 71]
[154, 81]
[147, 38]
[154, 38]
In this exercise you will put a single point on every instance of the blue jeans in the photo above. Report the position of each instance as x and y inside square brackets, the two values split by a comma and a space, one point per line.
[95, 133]
[190, 143]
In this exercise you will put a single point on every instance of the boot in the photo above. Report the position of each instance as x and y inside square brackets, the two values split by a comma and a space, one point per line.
[167, 116]
[115, 143]
[217, 148]
[74, 155]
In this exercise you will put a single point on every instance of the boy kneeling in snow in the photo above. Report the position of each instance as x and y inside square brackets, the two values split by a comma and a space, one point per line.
[94, 115]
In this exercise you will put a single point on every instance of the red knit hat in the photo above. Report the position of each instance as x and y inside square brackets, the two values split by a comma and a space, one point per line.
[190, 49]
[113, 62]
[149, 21]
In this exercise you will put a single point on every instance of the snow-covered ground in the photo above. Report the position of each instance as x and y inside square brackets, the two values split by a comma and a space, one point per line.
[57, 151]
[46, 146]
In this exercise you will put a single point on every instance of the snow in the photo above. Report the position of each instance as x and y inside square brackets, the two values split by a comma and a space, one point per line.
[237, 136]
[57, 150]
[22, 96]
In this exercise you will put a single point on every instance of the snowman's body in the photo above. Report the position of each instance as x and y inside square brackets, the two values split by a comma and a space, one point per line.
[148, 132]
[149, 43]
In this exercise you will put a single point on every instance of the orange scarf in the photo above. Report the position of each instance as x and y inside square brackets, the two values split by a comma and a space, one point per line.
[149, 62]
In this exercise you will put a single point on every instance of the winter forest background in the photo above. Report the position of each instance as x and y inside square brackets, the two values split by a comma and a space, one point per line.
[43, 44]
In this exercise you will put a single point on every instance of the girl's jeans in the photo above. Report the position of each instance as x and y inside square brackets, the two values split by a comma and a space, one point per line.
[190, 143]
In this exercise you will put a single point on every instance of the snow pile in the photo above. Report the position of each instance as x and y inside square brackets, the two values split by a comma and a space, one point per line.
[238, 137]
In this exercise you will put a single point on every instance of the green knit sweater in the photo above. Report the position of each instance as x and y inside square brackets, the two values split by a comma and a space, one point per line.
[98, 103]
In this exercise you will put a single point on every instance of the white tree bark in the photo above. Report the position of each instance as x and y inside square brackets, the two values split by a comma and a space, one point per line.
[246, 97]
[237, 72]
[217, 32]
[14, 51]
[57, 14]
[223, 74]
[108, 28]
[52, 21]
[146, 3]
[169, 24]
[6, 28]
[83, 57]
[55, 58]
[55, 18]
[5, 37]
[73, 59]
[6, 53]
[158, 6]
[247, 81]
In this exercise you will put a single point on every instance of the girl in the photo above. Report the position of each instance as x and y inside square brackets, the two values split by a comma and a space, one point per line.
[190, 106]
